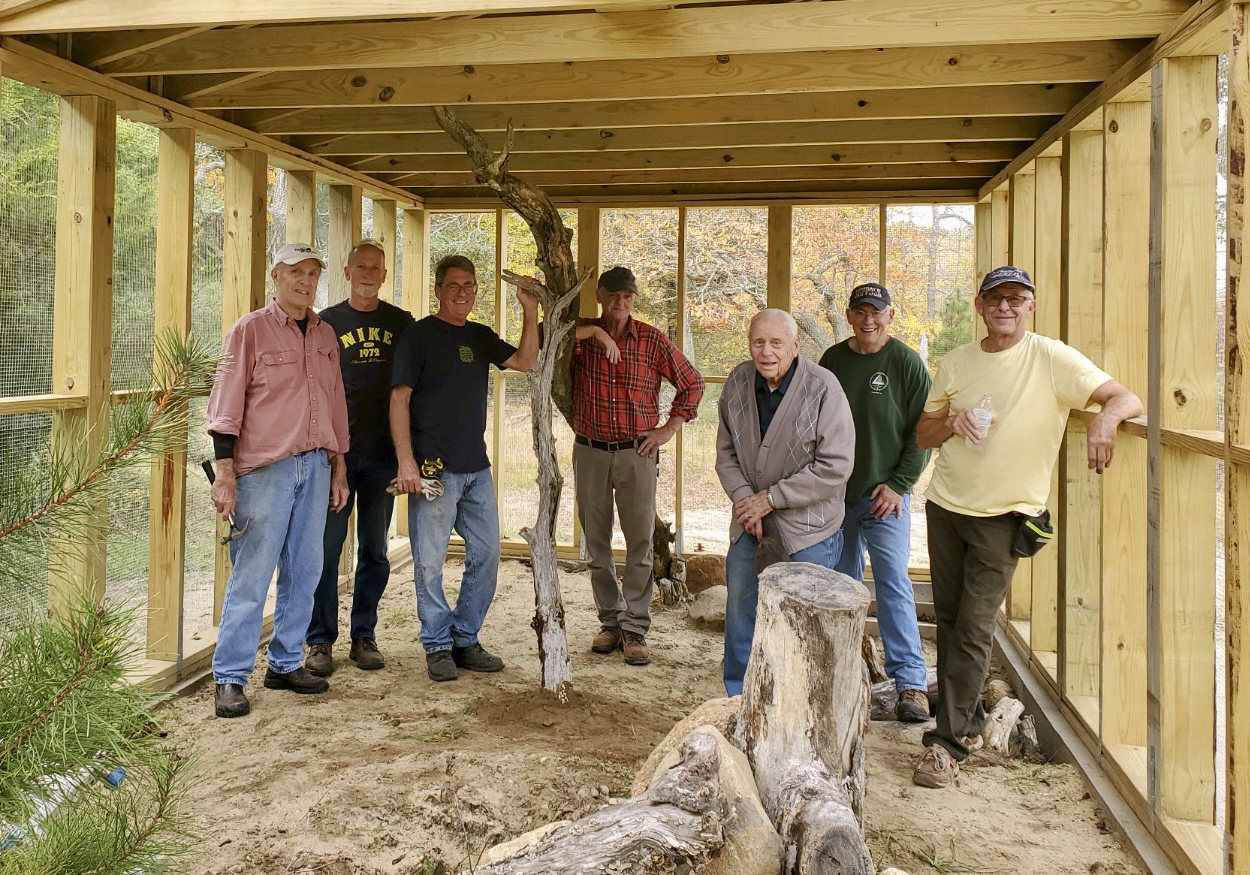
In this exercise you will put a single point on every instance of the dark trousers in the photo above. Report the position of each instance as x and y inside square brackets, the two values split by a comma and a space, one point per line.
[971, 566]
[367, 479]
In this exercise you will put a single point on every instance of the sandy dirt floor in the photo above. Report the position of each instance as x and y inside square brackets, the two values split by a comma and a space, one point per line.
[392, 773]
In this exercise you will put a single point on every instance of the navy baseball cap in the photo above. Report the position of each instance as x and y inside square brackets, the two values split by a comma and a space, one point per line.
[618, 279]
[1007, 274]
[872, 293]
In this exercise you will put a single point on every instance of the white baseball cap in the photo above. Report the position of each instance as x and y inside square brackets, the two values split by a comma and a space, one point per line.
[294, 253]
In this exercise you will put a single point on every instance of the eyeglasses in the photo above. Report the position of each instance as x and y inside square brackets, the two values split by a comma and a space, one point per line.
[1015, 302]
[456, 288]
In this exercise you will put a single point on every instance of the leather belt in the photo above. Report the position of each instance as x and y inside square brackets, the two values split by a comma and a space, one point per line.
[609, 446]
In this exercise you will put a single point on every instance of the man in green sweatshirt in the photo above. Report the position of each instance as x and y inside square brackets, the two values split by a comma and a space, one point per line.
[886, 384]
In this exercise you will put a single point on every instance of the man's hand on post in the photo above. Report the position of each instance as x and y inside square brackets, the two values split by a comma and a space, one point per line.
[886, 501]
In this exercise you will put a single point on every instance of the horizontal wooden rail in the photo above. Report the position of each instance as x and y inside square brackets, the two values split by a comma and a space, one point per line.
[41, 403]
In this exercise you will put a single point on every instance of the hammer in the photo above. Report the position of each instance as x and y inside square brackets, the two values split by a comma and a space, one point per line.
[235, 531]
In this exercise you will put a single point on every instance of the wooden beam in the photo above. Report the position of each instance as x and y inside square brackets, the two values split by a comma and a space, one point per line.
[301, 206]
[1237, 477]
[739, 193]
[711, 76]
[972, 172]
[1126, 275]
[588, 253]
[1000, 233]
[1191, 32]
[167, 514]
[81, 329]
[780, 232]
[903, 103]
[81, 15]
[920, 130]
[1183, 394]
[670, 33]
[746, 156]
[1080, 490]
[1047, 276]
[50, 73]
[345, 230]
[94, 49]
[385, 230]
[1021, 209]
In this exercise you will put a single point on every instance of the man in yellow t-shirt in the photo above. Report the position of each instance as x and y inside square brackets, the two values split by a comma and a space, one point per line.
[986, 478]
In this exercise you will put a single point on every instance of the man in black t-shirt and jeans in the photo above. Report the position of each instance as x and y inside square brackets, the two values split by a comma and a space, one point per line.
[368, 331]
[438, 423]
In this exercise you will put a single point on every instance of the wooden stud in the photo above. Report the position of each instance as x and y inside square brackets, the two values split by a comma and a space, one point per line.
[1080, 492]
[1126, 213]
[167, 513]
[499, 438]
[1237, 476]
[242, 281]
[345, 230]
[683, 331]
[780, 232]
[301, 206]
[385, 215]
[82, 327]
[1000, 228]
[589, 234]
[416, 300]
[1183, 395]
[1021, 235]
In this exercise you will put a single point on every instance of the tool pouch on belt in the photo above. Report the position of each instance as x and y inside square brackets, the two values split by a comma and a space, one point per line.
[1032, 534]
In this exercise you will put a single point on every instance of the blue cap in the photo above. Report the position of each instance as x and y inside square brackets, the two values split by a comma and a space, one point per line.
[872, 293]
[1007, 274]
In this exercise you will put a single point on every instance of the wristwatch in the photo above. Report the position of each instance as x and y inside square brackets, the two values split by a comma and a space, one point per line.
[769, 496]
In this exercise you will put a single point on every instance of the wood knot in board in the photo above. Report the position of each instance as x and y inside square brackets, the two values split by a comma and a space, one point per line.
[386, 94]
[1179, 396]
[1114, 127]
[722, 59]
[359, 82]
[1205, 125]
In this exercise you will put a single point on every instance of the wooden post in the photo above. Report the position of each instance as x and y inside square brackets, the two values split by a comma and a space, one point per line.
[683, 332]
[883, 247]
[780, 232]
[984, 257]
[242, 281]
[1181, 585]
[589, 234]
[1000, 228]
[1079, 541]
[1021, 233]
[1048, 277]
[301, 207]
[345, 230]
[82, 327]
[1126, 213]
[385, 214]
[167, 509]
[501, 328]
[1237, 474]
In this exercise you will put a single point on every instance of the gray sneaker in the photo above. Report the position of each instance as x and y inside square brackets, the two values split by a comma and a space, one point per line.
[440, 666]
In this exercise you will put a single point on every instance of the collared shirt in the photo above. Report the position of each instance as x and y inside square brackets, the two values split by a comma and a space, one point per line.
[280, 391]
[618, 402]
[768, 400]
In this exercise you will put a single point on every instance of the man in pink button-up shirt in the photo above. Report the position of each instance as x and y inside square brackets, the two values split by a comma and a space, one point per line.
[278, 419]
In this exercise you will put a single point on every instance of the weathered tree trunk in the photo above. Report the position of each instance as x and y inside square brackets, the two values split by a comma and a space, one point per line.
[804, 713]
[675, 826]
[550, 380]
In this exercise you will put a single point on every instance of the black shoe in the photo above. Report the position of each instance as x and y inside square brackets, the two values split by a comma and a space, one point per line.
[320, 660]
[229, 701]
[441, 666]
[298, 681]
[366, 655]
[475, 658]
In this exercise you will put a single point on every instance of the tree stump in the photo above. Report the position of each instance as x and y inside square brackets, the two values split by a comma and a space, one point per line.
[804, 713]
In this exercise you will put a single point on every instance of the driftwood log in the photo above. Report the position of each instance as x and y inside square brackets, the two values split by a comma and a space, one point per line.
[676, 826]
[804, 713]
[551, 379]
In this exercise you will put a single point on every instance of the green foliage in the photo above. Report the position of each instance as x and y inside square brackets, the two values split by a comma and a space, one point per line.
[956, 328]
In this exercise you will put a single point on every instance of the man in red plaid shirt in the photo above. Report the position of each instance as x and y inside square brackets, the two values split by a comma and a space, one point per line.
[617, 365]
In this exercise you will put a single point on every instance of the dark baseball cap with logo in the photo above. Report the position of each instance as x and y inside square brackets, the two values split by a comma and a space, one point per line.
[618, 279]
[870, 293]
[1007, 274]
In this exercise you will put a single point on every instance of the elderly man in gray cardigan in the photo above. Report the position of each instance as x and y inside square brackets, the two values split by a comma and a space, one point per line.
[784, 453]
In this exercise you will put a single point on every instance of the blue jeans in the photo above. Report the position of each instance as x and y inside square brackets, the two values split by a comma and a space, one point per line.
[367, 479]
[889, 547]
[744, 587]
[468, 506]
[283, 507]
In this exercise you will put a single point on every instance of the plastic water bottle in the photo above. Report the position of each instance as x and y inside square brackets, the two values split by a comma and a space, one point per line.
[983, 413]
[54, 791]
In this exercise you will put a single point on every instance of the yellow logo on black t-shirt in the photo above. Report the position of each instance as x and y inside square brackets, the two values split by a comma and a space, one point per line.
[466, 354]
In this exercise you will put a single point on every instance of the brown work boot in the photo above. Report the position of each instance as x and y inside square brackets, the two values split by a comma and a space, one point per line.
[229, 701]
[636, 650]
[366, 655]
[912, 707]
[320, 660]
[301, 680]
[608, 639]
[936, 768]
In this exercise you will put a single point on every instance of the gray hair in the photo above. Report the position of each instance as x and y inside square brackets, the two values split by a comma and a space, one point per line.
[792, 327]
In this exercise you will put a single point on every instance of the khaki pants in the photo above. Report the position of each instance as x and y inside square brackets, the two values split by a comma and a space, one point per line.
[630, 478]
[971, 565]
